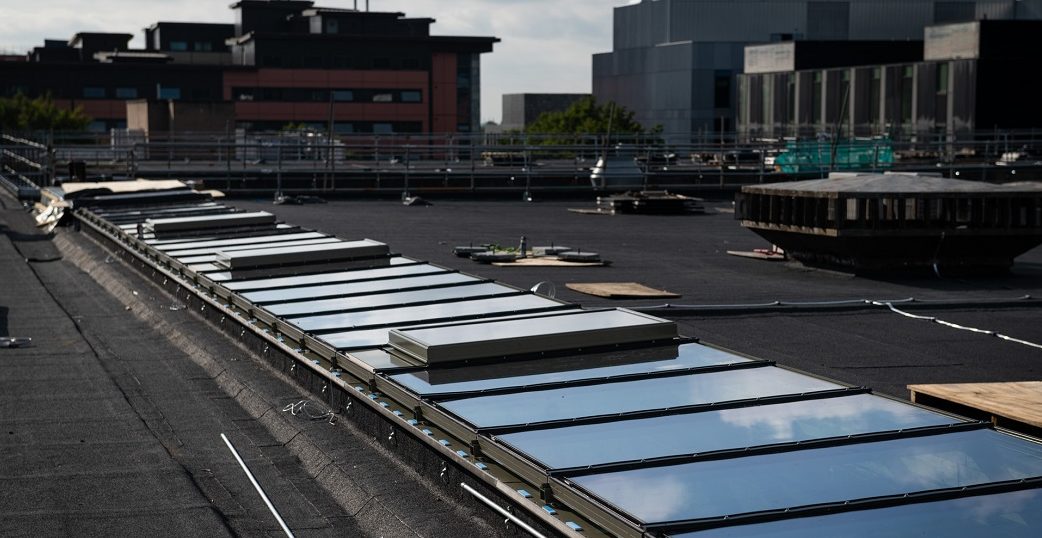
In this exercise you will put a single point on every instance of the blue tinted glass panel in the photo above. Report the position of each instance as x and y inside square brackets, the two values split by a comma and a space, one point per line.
[357, 339]
[366, 338]
[1016, 514]
[357, 288]
[426, 312]
[675, 435]
[520, 374]
[824, 475]
[627, 396]
[333, 278]
[379, 359]
[379, 300]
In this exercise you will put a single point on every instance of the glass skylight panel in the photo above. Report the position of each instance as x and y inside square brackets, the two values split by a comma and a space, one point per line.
[432, 382]
[426, 312]
[213, 236]
[627, 396]
[1016, 514]
[222, 274]
[177, 248]
[673, 435]
[814, 476]
[367, 338]
[178, 224]
[357, 288]
[208, 255]
[379, 300]
[364, 338]
[379, 359]
[398, 270]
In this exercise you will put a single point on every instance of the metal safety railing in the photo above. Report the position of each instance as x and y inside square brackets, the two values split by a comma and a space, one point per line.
[314, 161]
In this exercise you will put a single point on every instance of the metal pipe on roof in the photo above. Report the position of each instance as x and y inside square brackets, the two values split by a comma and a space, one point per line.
[511, 517]
[256, 486]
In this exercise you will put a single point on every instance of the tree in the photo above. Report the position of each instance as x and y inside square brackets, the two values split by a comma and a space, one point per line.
[19, 113]
[586, 116]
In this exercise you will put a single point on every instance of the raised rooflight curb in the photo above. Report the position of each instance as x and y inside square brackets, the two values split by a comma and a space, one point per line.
[262, 257]
[232, 220]
[541, 334]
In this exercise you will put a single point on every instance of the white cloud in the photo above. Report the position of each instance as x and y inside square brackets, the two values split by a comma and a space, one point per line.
[546, 45]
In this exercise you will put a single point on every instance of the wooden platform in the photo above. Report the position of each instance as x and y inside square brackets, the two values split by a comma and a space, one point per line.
[621, 290]
[1017, 405]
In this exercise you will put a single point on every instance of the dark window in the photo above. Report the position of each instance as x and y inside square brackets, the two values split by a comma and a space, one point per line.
[332, 26]
[791, 93]
[200, 94]
[942, 78]
[411, 96]
[178, 46]
[722, 89]
[126, 93]
[874, 86]
[815, 100]
[169, 93]
[383, 128]
[343, 95]
[93, 92]
[906, 94]
[381, 63]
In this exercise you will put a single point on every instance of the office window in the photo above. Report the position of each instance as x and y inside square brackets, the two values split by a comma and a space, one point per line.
[93, 92]
[383, 98]
[410, 96]
[815, 100]
[906, 94]
[874, 89]
[383, 128]
[203, 46]
[332, 26]
[126, 93]
[942, 78]
[179, 46]
[169, 93]
[343, 95]
[97, 126]
[722, 89]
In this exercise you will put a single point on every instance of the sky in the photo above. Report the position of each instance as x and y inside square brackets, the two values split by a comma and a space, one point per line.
[546, 44]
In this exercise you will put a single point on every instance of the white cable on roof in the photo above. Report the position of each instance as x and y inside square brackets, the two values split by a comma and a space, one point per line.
[956, 326]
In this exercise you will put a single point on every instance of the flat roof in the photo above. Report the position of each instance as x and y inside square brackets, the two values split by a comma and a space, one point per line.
[890, 184]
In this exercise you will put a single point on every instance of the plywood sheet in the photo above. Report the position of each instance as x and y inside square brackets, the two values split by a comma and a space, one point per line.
[621, 290]
[548, 262]
[1020, 401]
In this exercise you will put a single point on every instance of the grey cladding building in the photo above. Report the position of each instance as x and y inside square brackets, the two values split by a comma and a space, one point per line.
[674, 62]
[966, 77]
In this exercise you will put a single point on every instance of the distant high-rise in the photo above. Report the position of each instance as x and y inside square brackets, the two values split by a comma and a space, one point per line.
[674, 61]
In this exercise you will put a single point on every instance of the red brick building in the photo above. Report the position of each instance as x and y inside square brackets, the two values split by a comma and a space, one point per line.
[282, 62]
